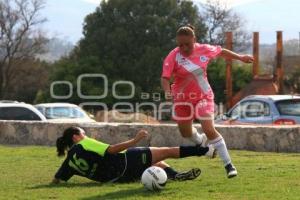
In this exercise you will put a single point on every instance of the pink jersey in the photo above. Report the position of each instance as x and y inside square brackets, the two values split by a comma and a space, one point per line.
[190, 77]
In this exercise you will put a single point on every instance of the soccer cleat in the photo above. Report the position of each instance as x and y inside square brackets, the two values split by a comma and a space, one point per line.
[231, 171]
[212, 152]
[188, 175]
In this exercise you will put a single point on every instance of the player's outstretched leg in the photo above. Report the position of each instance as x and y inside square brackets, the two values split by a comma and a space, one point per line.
[162, 153]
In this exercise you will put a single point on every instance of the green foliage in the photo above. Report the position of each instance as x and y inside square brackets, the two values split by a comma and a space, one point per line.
[242, 75]
[292, 82]
[68, 69]
[216, 71]
[28, 171]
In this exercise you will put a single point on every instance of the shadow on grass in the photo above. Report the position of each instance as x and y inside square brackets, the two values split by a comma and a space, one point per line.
[123, 194]
[65, 185]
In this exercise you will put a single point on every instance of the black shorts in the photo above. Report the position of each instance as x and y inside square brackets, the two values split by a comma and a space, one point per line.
[138, 159]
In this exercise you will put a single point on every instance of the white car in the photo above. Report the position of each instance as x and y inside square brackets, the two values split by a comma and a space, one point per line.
[63, 112]
[13, 110]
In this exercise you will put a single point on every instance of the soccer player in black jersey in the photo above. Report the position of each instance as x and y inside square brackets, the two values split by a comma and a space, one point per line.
[121, 162]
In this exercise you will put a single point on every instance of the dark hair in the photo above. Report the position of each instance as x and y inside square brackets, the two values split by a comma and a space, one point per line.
[66, 142]
[187, 30]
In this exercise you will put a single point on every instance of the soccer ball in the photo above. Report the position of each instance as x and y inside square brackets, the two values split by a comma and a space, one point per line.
[154, 178]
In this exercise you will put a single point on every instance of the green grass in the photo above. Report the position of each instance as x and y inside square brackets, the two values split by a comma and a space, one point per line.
[27, 171]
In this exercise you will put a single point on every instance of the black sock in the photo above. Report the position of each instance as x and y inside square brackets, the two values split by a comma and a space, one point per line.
[171, 173]
[186, 151]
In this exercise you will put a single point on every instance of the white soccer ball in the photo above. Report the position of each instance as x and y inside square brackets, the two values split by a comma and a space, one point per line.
[154, 178]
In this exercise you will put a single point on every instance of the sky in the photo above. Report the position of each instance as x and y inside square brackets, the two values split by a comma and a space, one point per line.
[65, 17]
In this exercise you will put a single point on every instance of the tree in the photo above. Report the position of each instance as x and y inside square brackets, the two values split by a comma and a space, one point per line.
[30, 77]
[220, 19]
[129, 39]
[20, 38]
[55, 49]
[216, 71]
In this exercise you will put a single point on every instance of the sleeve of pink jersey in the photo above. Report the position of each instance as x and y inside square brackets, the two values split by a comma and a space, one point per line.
[168, 66]
[213, 51]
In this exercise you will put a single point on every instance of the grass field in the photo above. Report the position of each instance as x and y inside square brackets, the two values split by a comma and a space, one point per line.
[27, 171]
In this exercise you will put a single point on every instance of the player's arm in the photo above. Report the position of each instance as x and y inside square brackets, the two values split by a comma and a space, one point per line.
[64, 173]
[227, 54]
[165, 84]
[116, 148]
[167, 71]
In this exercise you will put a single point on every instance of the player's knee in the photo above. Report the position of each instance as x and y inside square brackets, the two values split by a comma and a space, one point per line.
[210, 132]
[186, 133]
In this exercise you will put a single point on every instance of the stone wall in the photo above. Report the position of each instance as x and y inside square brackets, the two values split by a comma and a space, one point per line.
[274, 139]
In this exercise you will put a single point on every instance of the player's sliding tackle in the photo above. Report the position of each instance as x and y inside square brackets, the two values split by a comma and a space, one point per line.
[120, 162]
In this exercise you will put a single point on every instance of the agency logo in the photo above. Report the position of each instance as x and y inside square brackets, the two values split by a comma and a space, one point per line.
[203, 59]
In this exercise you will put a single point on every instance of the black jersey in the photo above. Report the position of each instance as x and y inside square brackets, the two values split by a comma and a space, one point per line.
[89, 159]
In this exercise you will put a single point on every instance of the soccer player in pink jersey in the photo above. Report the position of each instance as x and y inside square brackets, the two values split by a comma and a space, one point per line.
[191, 93]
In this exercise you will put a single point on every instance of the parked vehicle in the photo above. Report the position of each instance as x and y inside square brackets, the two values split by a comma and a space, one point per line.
[13, 110]
[264, 109]
[63, 111]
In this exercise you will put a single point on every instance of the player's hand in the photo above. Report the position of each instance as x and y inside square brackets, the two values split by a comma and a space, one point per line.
[55, 181]
[142, 134]
[168, 96]
[247, 58]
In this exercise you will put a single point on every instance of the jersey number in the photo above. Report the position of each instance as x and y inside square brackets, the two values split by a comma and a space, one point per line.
[79, 164]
